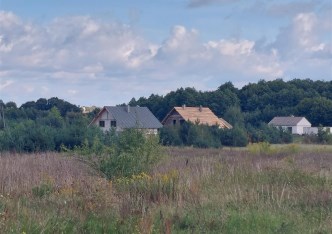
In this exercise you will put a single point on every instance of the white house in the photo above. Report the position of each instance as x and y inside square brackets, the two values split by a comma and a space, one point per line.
[296, 125]
[123, 117]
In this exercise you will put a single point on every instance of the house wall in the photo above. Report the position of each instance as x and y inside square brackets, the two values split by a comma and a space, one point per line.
[294, 129]
[301, 125]
[304, 122]
[107, 117]
[297, 130]
[174, 116]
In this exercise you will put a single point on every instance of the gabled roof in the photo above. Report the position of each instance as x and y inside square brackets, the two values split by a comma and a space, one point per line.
[228, 125]
[201, 114]
[286, 121]
[136, 117]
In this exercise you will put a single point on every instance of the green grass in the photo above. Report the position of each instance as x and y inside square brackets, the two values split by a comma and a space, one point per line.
[263, 190]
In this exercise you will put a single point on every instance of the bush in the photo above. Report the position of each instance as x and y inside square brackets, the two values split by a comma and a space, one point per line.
[324, 136]
[132, 153]
[266, 133]
[189, 134]
[170, 136]
[234, 137]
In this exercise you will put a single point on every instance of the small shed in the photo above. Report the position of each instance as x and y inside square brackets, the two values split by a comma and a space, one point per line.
[296, 125]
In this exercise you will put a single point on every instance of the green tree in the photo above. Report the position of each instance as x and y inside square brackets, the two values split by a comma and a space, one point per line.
[317, 110]
[11, 105]
[235, 116]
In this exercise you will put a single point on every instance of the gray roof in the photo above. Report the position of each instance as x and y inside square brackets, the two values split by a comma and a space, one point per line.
[137, 117]
[285, 121]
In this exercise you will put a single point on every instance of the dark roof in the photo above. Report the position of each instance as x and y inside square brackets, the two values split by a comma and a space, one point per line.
[137, 117]
[285, 121]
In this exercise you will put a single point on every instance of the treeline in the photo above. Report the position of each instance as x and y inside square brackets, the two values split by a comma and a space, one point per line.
[44, 125]
[258, 102]
[248, 109]
[203, 136]
[54, 124]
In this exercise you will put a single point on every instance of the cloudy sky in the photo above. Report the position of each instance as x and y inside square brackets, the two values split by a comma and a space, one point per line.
[105, 52]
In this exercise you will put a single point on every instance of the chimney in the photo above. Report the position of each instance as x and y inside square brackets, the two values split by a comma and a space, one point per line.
[184, 106]
[128, 108]
[200, 108]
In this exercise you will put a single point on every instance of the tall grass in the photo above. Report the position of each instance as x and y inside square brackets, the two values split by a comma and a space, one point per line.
[189, 191]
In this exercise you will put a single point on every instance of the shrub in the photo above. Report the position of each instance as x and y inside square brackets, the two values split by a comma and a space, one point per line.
[156, 188]
[234, 137]
[189, 134]
[170, 136]
[260, 148]
[132, 153]
[42, 190]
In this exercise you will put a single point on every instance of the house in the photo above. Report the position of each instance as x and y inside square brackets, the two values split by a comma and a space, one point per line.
[296, 125]
[87, 109]
[123, 117]
[201, 115]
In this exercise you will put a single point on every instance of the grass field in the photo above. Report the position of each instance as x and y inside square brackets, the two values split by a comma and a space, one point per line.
[262, 189]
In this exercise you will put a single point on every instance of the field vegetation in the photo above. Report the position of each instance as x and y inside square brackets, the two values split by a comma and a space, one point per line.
[59, 176]
[261, 189]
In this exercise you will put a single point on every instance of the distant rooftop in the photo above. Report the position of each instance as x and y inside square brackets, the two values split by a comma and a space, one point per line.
[285, 121]
[133, 117]
[202, 114]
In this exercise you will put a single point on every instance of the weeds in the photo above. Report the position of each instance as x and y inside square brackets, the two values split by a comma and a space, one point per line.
[285, 190]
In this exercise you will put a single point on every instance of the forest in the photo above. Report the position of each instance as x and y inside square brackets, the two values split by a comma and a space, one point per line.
[55, 124]
[257, 102]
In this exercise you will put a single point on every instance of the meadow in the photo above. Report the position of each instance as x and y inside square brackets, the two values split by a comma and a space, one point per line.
[259, 189]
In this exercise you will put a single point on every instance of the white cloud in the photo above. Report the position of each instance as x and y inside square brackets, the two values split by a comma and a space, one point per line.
[303, 39]
[112, 62]
[5, 84]
[233, 48]
[72, 91]
[199, 3]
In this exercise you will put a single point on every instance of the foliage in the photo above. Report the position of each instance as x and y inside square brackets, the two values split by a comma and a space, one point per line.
[203, 136]
[259, 102]
[48, 124]
[266, 133]
[280, 190]
[131, 153]
[318, 110]
[41, 126]
[189, 134]
[42, 190]
[324, 136]
[144, 188]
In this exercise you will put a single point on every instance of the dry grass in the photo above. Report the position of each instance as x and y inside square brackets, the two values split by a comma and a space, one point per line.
[21, 172]
[191, 190]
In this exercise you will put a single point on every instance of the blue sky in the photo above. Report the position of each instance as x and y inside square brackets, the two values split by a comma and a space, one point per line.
[106, 52]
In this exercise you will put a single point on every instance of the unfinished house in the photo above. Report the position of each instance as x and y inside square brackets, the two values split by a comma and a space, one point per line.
[198, 115]
[123, 117]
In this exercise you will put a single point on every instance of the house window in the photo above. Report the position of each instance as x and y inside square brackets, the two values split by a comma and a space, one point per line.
[113, 123]
[181, 121]
[289, 129]
[102, 123]
[174, 121]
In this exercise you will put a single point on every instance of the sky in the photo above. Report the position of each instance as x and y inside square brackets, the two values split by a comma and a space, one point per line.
[105, 52]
